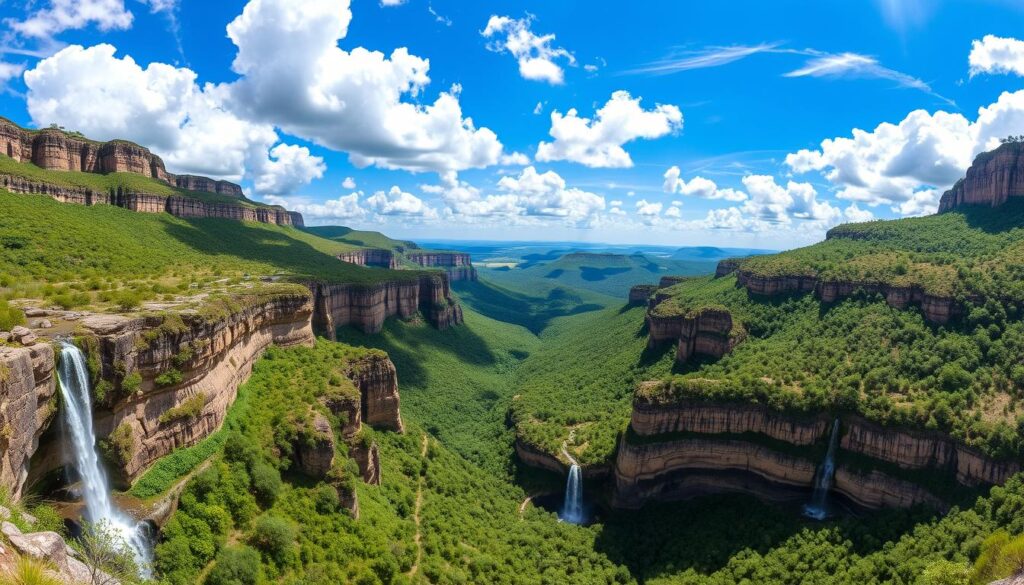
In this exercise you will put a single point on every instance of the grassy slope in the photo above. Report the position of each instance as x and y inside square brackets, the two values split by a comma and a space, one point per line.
[358, 238]
[607, 274]
[43, 241]
[113, 181]
[532, 306]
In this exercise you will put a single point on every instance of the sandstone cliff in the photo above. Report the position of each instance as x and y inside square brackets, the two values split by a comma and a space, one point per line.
[367, 306]
[681, 449]
[54, 149]
[182, 359]
[177, 205]
[640, 294]
[708, 331]
[370, 257]
[991, 180]
[27, 405]
[458, 265]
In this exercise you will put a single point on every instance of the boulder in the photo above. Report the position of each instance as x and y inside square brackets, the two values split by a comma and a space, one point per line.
[23, 335]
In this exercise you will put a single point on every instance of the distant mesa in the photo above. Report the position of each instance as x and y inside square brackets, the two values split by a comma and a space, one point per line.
[991, 180]
[54, 149]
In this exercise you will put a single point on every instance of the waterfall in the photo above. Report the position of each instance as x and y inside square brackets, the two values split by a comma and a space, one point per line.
[572, 506]
[818, 506]
[99, 508]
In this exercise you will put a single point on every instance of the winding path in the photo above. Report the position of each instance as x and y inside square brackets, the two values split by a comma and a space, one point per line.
[416, 512]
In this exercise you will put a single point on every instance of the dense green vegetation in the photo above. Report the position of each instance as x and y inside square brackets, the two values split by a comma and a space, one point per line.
[360, 238]
[580, 382]
[607, 274]
[532, 307]
[74, 255]
[973, 252]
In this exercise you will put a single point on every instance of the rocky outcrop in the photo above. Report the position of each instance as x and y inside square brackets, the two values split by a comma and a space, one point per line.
[315, 448]
[27, 405]
[935, 308]
[991, 180]
[60, 559]
[367, 458]
[641, 293]
[457, 264]
[707, 332]
[366, 306]
[681, 449]
[667, 281]
[540, 459]
[727, 266]
[708, 418]
[684, 468]
[174, 359]
[377, 380]
[924, 450]
[55, 149]
[177, 205]
[370, 257]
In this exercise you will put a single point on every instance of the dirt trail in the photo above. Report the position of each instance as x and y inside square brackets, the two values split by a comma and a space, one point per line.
[416, 512]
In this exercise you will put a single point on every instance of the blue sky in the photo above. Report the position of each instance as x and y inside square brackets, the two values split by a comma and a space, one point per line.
[694, 123]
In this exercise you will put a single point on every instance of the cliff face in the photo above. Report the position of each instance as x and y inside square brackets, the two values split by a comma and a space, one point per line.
[692, 448]
[27, 405]
[641, 293]
[370, 257]
[708, 332]
[991, 180]
[367, 306]
[54, 149]
[936, 309]
[458, 265]
[148, 203]
[211, 357]
[377, 381]
[726, 267]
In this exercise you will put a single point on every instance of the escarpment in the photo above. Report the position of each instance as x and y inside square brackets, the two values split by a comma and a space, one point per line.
[28, 403]
[678, 449]
[707, 331]
[992, 179]
[171, 378]
[370, 257]
[177, 205]
[640, 294]
[366, 306]
[53, 149]
[457, 264]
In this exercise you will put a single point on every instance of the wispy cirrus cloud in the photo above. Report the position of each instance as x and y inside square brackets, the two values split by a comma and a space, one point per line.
[847, 65]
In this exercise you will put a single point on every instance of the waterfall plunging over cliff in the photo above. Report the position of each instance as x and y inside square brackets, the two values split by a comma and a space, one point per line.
[818, 506]
[99, 508]
[572, 506]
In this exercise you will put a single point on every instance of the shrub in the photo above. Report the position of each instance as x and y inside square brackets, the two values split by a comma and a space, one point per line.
[275, 537]
[10, 316]
[189, 409]
[236, 566]
[131, 383]
[169, 378]
[29, 571]
[266, 483]
[1000, 557]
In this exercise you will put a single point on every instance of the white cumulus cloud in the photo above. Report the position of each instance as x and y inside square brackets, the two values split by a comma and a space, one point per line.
[537, 56]
[894, 163]
[61, 15]
[345, 208]
[994, 54]
[698, 187]
[599, 142]
[288, 168]
[295, 76]
[398, 202]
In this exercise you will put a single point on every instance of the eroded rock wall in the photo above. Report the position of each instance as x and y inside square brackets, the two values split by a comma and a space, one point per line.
[457, 264]
[367, 306]
[211, 359]
[370, 257]
[991, 180]
[708, 332]
[28, 404]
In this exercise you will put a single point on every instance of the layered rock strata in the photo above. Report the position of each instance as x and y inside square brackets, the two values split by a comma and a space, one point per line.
[367, 306]
[54, 149]
[28, 403]
[707, 332]
[640, 294]
[177, 205]
[178, 358]
[992, 179]
[688, 448]
[458, 265]
[370, 257]
[936, 309]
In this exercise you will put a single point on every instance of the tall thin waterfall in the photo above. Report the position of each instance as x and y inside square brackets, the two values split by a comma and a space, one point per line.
[818, 506]
[99, 508]
[572, 506]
